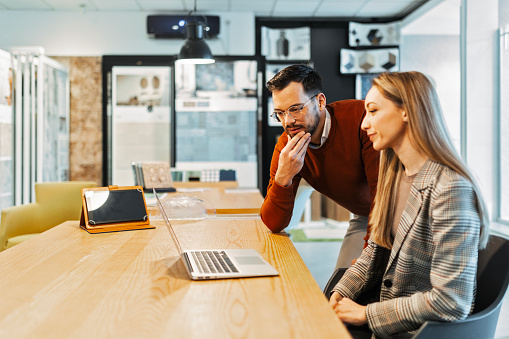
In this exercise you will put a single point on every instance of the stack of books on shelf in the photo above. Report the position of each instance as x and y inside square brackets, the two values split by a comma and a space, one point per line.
[153, 174]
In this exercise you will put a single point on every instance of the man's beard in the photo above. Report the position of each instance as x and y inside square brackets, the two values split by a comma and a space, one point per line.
[309, 128]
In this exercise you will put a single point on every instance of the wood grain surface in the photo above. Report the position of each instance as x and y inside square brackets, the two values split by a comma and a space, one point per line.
[227, 200]
[67, 283]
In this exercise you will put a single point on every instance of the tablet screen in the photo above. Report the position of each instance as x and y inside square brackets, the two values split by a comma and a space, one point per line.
[104, 207]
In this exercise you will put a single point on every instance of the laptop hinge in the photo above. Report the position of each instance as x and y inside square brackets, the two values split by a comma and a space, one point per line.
[187, 261]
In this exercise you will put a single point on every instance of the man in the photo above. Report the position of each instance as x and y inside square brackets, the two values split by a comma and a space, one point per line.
[324, 145]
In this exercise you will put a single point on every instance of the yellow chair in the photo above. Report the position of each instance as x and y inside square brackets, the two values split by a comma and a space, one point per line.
[55, 202]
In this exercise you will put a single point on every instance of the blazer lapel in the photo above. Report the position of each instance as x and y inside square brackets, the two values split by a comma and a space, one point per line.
[422, 180]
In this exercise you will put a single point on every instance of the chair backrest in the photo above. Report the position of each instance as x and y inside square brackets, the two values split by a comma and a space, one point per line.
[152, 174]
[492, 273]
[334, 279]
[303, 194]
[227, 175]
[492, 283]
[216, 175]
[55, 203]
[60, 201]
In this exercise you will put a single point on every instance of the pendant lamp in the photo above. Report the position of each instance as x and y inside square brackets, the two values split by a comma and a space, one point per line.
[195, 49]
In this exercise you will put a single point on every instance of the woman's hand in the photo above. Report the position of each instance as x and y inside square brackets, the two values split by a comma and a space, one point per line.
[348, 311]
[334, 299]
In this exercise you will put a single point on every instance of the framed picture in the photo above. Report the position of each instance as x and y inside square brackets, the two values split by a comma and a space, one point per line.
[369, 60]
[286, 43]
[388, 34]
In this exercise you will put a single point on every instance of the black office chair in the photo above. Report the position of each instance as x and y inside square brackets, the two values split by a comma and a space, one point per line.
[334, 279]
[492, 283]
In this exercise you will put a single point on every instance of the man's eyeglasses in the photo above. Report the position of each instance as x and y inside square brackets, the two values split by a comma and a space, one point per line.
[293, 112]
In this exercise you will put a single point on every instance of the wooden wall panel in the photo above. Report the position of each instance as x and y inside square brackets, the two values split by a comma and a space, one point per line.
[86, 117]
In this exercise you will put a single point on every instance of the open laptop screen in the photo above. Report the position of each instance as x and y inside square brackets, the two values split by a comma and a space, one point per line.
[165, 217]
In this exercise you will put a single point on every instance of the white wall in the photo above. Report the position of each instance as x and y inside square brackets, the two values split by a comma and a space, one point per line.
[431, 45]
[97, 33]
[482, 106]
[423, 49]
[437, 56]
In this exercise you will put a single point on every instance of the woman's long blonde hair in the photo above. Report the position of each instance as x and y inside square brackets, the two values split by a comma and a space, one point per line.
[414, 93]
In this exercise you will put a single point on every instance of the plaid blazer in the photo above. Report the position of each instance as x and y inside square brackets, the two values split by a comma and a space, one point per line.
[431, 271]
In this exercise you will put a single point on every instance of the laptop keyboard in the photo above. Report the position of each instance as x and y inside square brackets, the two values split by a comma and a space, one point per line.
[214, 262]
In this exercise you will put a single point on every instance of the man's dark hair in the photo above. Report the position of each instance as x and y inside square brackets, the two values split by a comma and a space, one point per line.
[304, 74]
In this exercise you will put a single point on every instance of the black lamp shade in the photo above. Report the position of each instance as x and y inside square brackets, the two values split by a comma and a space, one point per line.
[195, 49]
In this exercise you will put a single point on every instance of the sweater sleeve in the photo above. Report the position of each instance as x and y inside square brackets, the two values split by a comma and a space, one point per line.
[276, 211]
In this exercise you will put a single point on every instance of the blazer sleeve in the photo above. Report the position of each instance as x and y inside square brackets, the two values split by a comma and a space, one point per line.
[354, 280]
[277, 209]
[455, 228]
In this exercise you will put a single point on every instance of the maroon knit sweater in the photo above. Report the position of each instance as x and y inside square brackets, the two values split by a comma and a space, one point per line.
[344, 168]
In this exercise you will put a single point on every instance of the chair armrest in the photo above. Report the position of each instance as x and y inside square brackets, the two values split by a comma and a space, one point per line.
[334, 279]
[478, 325]
[18, 220]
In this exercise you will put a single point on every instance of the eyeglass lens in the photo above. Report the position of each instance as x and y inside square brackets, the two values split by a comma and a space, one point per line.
[293, 112]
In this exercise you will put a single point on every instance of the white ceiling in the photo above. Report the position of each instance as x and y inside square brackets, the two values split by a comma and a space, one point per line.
[261, 8]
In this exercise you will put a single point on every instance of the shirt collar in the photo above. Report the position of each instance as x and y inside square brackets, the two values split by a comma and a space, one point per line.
[326, 130]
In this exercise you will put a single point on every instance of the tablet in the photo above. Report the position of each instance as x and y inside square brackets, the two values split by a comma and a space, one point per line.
[113, 206]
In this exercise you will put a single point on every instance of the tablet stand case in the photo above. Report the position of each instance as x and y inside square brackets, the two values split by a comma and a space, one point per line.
[115, 226]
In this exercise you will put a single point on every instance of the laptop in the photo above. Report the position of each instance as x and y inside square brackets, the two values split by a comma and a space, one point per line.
[219, 263]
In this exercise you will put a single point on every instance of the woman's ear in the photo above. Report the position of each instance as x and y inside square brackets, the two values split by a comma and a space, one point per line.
[404, 115]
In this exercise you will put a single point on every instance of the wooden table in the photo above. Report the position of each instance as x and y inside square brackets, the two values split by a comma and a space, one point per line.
[218, 184]
[232, 201]
[224, 200]
[67, 283]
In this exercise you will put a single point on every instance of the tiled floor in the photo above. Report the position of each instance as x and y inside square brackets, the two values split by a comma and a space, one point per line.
[320, 258]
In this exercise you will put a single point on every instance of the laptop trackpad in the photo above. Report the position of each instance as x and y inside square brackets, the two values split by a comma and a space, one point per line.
[249, 261]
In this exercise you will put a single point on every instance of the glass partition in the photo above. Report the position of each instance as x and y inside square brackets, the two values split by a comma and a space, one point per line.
[54, 124]
[216, 118]
[6, 132]
[140, 119]
[40, 121]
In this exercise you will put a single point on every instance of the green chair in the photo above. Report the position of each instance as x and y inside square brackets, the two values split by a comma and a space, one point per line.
[55, 202]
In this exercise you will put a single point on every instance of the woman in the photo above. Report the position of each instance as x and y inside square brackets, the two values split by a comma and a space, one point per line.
[428, 220]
